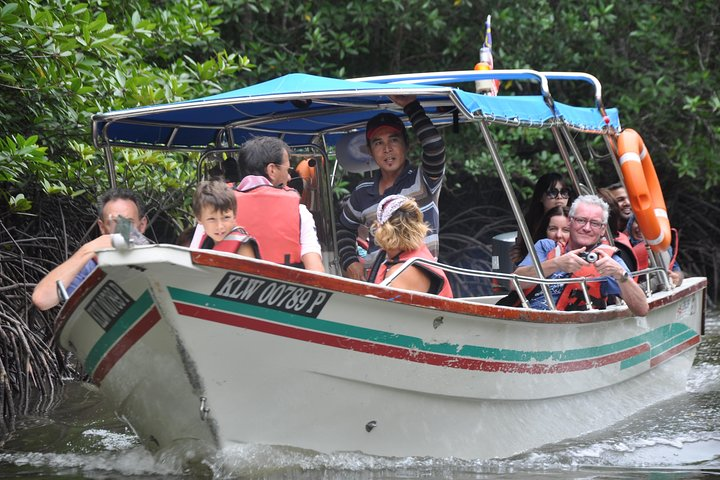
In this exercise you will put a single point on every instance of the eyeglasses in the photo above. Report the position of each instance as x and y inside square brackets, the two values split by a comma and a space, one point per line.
[584, 221]
[555, 193]
[290, 170]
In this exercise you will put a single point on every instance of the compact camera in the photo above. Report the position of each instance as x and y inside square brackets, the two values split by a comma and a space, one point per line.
[590, 257]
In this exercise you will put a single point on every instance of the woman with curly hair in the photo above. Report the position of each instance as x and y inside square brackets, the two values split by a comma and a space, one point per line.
[400, 232]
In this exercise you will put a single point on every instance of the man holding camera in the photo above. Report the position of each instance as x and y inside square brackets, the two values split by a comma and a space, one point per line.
[584, 256]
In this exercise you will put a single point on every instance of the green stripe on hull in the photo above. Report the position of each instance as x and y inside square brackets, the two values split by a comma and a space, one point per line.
[660, 339]
[117, 330]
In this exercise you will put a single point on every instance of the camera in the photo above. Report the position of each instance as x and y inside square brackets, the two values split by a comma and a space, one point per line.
[590, 257]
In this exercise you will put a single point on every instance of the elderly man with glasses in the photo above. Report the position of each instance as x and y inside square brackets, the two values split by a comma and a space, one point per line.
[585, 255]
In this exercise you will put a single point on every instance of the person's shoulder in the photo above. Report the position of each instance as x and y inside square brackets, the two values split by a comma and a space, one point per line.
[621, 261]
[362, 190]
[545, 244]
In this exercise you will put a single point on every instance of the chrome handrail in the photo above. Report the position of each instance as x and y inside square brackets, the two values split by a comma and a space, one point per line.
[516, 280]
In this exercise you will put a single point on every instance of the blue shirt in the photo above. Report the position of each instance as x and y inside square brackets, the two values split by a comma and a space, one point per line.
[543, 247]
[82, 275]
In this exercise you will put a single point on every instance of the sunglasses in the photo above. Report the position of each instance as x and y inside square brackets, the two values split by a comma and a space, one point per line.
[555, 193]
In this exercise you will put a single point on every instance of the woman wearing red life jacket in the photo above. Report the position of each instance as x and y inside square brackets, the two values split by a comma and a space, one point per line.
[555, 225]
[400, 232]
[550, 191]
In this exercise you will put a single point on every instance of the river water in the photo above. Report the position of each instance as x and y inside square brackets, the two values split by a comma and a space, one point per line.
[76, 436]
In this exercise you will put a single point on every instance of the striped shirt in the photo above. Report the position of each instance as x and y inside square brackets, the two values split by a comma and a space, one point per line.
[423, 184]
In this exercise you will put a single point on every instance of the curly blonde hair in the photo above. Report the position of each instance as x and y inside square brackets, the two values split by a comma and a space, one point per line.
[404, 230]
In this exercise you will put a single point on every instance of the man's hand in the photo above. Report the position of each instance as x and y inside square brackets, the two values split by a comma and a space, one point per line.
[571, 261]
[355, 271]
[608, 267]
[676, 277]
[402, 100]
[103, 241]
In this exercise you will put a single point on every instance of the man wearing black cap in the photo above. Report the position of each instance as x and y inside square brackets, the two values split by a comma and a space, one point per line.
[387, 141]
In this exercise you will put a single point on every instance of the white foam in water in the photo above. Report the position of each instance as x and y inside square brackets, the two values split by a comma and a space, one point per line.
[662, 452]
[704, 378]
[258, 461]
[135, 461]
[111, 440]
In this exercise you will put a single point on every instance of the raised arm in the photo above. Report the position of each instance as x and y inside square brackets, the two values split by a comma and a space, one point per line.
[45, 294]
[432, 143]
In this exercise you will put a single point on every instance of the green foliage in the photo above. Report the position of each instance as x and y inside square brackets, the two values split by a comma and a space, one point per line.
[63, 61]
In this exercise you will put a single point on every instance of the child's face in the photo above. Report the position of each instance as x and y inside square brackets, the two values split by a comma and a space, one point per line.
[217, 224]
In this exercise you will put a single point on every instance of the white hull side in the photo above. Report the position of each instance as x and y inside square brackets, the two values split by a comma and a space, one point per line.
[468, 385]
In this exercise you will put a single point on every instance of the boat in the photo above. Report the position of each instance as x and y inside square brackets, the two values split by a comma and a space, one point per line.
[206, 348]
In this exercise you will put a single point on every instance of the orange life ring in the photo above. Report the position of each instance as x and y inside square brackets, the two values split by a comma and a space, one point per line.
[644, 190]
[307, 170]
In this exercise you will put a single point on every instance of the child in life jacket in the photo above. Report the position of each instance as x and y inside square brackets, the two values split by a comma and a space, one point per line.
[215, 207]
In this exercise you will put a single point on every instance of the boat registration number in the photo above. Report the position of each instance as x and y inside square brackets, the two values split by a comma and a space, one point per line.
[109, 304]
[281, 296]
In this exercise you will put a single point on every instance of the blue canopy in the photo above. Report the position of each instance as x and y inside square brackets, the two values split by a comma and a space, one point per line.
[299, 107]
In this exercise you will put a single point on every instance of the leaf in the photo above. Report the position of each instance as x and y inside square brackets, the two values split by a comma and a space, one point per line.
[19, 203]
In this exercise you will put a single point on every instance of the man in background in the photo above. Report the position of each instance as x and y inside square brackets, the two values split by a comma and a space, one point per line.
[112, 204]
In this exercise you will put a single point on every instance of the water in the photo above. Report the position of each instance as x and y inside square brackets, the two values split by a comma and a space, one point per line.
[78, 437]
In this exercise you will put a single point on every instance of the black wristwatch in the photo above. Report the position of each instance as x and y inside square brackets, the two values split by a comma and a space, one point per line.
[624, 278]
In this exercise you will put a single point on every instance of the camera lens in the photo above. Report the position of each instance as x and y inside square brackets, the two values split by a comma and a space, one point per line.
[591, 257]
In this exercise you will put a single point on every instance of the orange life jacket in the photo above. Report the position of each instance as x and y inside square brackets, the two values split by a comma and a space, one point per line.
[439, 284]
[272, 215]
[233, 240]
[641, 252]
[572, 296]
[622, 242]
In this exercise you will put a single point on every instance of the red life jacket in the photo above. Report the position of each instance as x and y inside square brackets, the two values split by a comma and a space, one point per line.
[641, 254]
[572, 296]
[272, 216]
[236, 238]
[439, 284]
[622, 241]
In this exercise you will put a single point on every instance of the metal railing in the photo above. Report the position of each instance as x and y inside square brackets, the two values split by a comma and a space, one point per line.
[516, 280]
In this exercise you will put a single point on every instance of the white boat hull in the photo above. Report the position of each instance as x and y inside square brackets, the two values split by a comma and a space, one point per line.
[287, 357]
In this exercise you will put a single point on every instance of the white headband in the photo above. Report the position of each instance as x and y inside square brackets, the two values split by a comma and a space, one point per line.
[388, 206]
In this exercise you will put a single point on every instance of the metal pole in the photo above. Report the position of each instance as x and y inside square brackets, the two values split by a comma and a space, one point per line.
[490, 142]
[110, 165]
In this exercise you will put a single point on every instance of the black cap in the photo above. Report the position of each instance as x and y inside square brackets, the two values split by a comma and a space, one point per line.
[385, 120]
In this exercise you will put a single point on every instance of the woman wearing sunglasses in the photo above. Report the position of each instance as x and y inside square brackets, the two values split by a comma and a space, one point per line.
[550, 191]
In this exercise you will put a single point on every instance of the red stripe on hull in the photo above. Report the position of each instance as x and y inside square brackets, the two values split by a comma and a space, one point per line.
[401, 353]
[125, 343]
[677, 349]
